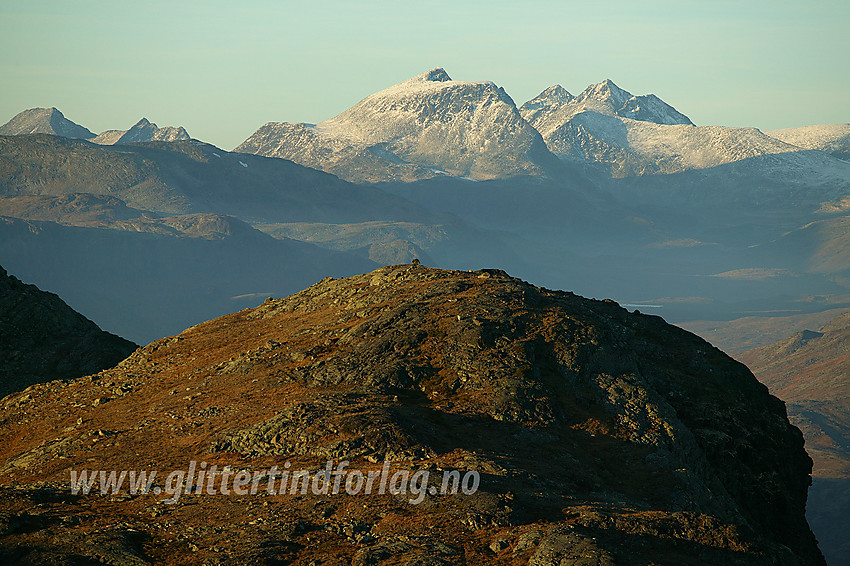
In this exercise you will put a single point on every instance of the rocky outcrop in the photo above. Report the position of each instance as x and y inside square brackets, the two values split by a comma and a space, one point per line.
[43, 339]
[601, 436]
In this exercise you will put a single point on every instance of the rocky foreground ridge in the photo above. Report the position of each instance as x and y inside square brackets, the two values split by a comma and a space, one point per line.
[601, 436]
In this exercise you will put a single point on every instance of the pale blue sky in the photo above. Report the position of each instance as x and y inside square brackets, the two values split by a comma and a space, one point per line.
[222, 69]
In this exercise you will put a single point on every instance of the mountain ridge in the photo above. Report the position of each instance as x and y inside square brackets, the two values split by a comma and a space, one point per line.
[830, 138]
[142, 131]
[184, 177]
[426, 127]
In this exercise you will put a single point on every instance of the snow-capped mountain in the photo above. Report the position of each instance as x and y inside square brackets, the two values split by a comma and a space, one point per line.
[831, 138]
[641, 135]
[426, 126]
[142, 131]
[44, 121]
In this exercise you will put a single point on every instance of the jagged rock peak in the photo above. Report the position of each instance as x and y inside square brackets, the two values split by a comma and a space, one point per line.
[437, 74]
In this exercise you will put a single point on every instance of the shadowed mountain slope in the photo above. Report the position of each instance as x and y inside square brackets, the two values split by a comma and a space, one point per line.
[811, 372]
[43, 339]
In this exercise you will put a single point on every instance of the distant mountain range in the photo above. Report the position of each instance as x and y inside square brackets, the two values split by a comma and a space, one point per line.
[432, 126]
[638, 135]
[142, 131]
[52, 121]
[606, 192]
[185, 176]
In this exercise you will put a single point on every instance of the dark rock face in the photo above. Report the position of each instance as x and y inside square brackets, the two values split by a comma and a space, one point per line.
[601, 436]
[42, 339]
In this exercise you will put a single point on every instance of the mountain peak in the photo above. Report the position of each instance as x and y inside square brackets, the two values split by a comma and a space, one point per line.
[44, 121]
[555, 94]
[606, 91]
[427, 126]
[558, 92]
[142, 123]
[608, 98]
